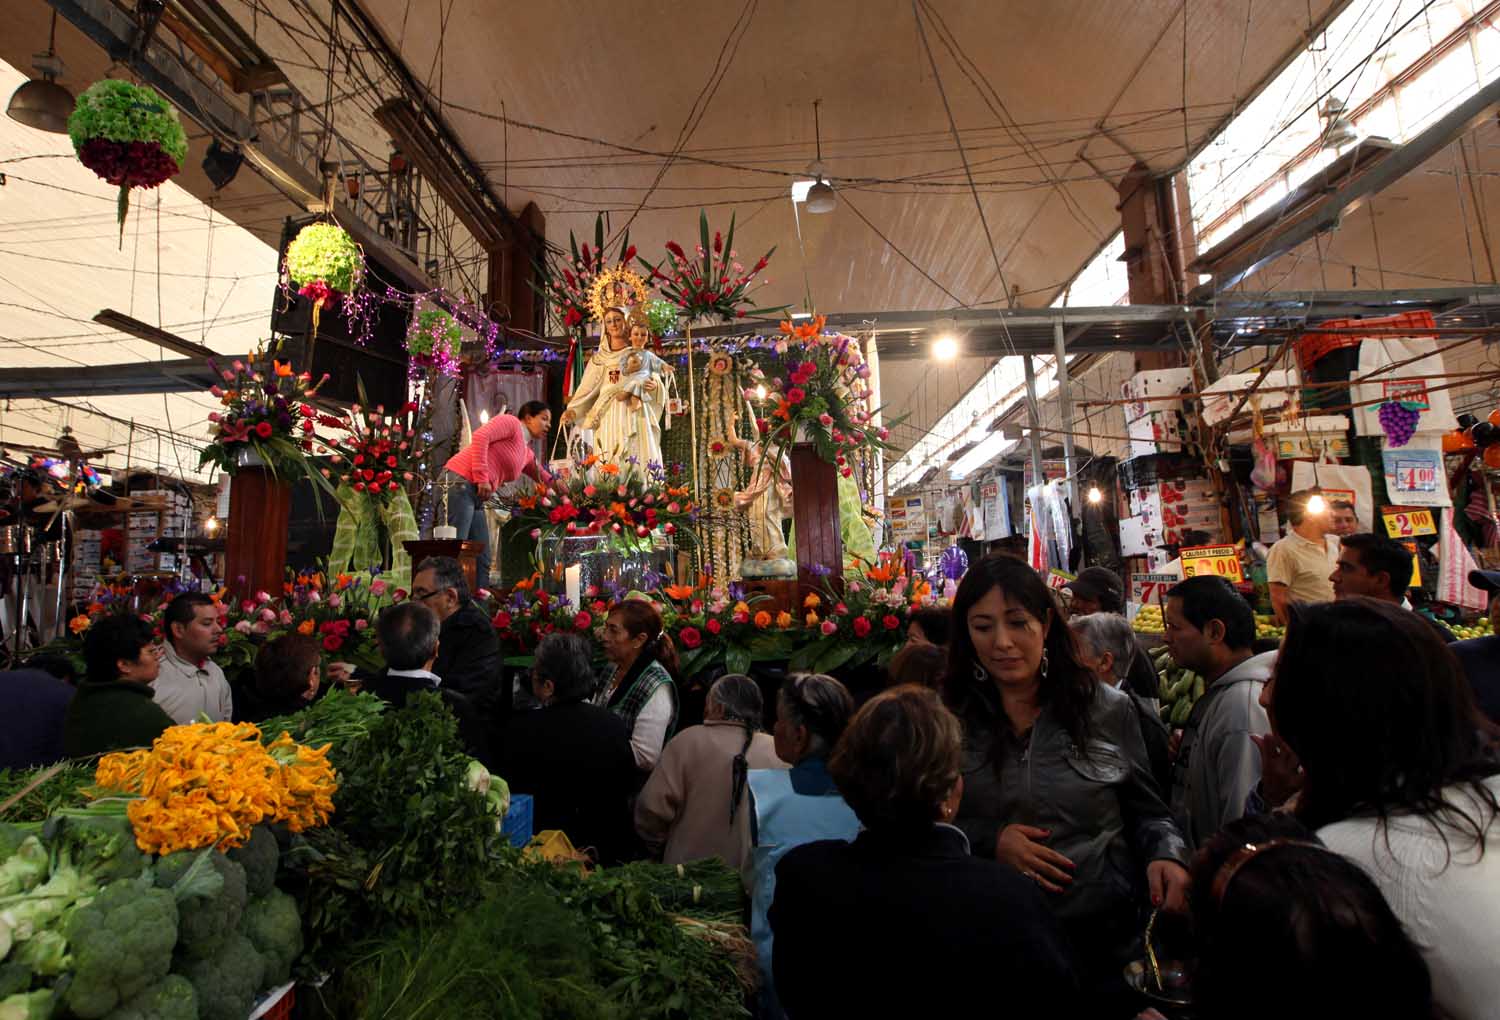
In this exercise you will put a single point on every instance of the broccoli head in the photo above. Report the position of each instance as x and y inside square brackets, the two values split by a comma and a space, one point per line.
[205, 917]
[171, 998]
[227, 983]
[259, 857]
[122, 944]
[99, 843]
[25, 869]
[14, 977]
[272, 925]
[27, 1006]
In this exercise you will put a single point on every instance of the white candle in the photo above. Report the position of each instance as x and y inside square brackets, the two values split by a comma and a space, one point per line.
[571, 577]
[444, 531]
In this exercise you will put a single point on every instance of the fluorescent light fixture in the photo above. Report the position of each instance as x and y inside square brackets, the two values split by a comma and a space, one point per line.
[801, 315]
[988, 448]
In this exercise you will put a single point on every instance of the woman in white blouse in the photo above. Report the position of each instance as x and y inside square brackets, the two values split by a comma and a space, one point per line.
[1401, 777]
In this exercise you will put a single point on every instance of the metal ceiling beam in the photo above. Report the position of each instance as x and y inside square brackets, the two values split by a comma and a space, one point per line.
[144, 331]
[273, 144]
[183, 375]
[1324, 215]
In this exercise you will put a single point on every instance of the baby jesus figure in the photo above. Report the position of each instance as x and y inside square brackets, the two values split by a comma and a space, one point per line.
[641, 367]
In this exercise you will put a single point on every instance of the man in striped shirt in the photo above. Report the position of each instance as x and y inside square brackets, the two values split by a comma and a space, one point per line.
[499, 452]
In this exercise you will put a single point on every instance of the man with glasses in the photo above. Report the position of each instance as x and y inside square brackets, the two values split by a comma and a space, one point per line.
[468, 658]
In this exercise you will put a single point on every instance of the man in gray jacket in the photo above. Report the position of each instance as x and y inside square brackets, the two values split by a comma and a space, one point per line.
[1209, 630]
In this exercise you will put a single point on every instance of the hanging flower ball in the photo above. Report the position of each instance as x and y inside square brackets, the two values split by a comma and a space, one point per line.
[434, 341]
[324, 263]
[128, 135]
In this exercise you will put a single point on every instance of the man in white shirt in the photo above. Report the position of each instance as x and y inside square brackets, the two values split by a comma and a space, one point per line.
[1298, 566]
[190, 685]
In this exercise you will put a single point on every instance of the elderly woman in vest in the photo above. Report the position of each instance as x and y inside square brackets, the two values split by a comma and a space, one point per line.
[642, 688]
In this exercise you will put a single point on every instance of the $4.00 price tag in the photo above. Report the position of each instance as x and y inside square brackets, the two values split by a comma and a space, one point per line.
[1222, 560]
[1408, 522]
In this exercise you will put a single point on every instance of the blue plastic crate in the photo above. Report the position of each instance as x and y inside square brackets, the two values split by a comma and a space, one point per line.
[517, 824]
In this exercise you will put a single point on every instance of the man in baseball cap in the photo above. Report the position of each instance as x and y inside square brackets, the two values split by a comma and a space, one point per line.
[1480, 657]
[1096, 590]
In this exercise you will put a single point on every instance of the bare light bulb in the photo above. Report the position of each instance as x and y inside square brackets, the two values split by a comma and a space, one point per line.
[760, 392]
[1094, 495]
[1316, 504]
[945, 348]
[211, 525]
[484, 416]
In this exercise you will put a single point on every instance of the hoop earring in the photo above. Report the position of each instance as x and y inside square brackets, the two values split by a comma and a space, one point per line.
[1045, 664]
[980, 676]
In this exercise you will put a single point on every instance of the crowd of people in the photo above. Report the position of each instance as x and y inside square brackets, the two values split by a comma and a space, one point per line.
[1011, 813]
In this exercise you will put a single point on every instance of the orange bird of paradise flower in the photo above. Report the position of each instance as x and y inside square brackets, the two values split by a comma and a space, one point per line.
[283, 368]
[679, 592]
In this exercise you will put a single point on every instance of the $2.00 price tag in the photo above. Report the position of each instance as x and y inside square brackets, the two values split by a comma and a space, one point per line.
[1221, 560]
[1408, 522]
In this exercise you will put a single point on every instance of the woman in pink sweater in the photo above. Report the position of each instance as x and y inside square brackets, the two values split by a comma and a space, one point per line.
[499, 452]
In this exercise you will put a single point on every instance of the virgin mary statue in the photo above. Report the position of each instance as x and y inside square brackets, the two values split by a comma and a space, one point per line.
[625, 419]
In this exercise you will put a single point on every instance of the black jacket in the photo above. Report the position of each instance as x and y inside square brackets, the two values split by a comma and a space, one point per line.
[395, 690]
[469, 659]
[35, 703]
[897, 923]
[110, 717]
[1480, 658]
[575, 761]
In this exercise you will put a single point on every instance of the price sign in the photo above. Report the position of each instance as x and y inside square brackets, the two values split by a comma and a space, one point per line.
[1056, 579]
[1221, 560]
[1416, 565]
[1408, 522]
[1416, 475]
[1151, 589]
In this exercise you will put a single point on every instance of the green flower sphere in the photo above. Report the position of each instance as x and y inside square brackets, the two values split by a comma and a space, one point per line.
[121, 112]
[661, 316]
[323, 253]
[435, 329]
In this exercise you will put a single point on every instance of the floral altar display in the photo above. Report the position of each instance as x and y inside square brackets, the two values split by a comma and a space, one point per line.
[266, 419]
[128, 135]
[374, 460]
[325, 264]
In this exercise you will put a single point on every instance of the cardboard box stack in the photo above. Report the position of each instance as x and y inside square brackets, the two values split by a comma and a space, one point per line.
[146, 528]
[1171, 504]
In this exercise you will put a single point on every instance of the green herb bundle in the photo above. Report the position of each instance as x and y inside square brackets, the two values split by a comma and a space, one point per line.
[409, 843]
[60, 786]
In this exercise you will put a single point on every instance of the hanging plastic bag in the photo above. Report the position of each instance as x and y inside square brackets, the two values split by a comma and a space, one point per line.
[1263, 473]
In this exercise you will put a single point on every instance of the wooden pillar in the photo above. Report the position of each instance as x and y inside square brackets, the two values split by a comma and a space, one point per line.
[260, 510]
[815, 513]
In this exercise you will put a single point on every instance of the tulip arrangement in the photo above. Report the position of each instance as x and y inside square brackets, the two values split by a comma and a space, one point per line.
[713, 282]
[823, 392]
[265, 411]
[627, 505]
[374, 461]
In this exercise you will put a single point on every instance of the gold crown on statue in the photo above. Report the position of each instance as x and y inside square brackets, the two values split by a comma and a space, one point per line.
[616, 288]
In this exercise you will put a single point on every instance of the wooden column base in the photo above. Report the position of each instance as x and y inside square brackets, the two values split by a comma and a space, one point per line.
[815, 512]
[467, 554]
[260, 510]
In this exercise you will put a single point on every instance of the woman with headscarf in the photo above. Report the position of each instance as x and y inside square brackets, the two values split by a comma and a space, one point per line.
[694, 805]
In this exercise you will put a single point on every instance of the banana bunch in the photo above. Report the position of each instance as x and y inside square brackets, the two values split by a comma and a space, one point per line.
[1177, 687]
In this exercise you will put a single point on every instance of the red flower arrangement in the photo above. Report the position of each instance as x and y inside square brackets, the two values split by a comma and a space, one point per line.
[377, 455]
[713, 283]
[265, 411]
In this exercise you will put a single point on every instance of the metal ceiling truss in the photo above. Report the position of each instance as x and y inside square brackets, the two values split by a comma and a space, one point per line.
[287, 138]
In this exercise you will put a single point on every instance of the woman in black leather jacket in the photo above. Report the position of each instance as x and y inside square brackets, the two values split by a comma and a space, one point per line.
[1056, 779]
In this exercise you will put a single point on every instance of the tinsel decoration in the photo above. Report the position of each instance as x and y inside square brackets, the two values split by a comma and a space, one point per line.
[324, 264]
[128, 135]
